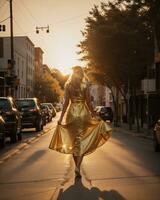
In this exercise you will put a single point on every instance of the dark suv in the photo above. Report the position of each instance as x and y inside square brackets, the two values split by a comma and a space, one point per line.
[32, 116]
[105, 113]
[51, 107]
[12, 118]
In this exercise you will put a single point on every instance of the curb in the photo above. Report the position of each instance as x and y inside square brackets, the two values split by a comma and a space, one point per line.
[22, 146]
[149, 137]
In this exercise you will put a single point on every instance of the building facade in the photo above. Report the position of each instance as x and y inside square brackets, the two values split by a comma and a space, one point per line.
[23, 68]
[100, 95]
[38, 62]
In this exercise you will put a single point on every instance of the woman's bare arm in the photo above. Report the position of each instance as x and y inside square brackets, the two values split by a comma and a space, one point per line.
[65, 105]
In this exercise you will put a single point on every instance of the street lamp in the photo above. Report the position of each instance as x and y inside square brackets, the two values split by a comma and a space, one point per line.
[2, 27]
[42, 28]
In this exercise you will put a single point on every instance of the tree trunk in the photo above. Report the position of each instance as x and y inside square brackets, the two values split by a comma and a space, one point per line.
[115, 107]
[136, 108]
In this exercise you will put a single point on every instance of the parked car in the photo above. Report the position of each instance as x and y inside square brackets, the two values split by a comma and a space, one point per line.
[2, 132]
[32, 115]
[47, 111]
[58, 107]
[156, 136]
[44, 117]
[105, 113]
[12, 118]
[52, 108]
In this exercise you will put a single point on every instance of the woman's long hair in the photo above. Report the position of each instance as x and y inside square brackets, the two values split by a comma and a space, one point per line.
[75, 80]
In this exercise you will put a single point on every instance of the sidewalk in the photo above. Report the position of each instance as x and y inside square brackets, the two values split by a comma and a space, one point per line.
[144, 132]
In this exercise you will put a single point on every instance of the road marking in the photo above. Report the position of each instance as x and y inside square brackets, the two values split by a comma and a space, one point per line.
[25, 145]
[52, 179]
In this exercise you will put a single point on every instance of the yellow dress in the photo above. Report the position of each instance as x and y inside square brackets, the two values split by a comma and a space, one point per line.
[79, 133]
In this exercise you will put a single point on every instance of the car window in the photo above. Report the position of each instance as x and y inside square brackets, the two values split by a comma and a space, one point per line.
[44, 106]
[50, 106]
[25, 103]
[5, 104]
[106, 109]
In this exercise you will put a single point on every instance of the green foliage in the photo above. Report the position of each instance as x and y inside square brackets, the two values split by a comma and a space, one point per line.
[59, 77]
[151, 9]
[118, 42]
[47, 89]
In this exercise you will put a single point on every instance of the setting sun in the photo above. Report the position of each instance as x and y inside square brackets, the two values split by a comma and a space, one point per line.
[66, 20]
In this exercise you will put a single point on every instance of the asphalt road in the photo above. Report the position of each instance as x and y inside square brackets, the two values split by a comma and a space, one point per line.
[125, 168]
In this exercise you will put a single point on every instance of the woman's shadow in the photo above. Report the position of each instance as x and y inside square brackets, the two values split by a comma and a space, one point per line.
[78, 191]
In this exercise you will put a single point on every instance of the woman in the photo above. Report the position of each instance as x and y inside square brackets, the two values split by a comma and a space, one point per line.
[80, 133]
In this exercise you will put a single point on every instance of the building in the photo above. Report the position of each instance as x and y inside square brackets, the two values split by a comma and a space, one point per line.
[23, 68]
[100, 95]
[38, 62]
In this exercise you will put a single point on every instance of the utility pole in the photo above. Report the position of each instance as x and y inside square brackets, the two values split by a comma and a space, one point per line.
[11, 36]
[12, 45]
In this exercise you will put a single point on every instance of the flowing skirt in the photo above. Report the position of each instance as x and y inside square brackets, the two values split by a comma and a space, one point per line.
[80, 134]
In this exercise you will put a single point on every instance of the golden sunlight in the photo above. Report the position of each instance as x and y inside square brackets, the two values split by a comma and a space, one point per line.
[66, 61]
[66, 71]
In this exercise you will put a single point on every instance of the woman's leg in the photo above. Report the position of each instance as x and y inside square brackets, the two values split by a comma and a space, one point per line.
[75, 160]
[78, 161]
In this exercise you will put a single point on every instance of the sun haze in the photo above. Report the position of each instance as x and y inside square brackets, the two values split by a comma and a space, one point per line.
[65, 20]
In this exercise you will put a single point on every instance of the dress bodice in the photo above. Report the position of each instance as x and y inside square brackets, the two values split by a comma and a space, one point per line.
[77, 94]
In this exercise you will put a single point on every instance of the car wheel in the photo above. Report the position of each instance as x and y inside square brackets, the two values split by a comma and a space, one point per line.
[155, 143]
[44, 121]
[20, 133]
[14, 135]
[39, 125]
[19, 136]
[2, 142]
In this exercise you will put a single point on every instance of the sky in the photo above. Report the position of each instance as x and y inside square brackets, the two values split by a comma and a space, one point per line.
[66, 20]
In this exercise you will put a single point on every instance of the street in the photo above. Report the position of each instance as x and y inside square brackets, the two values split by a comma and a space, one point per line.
[72, 63]
[126, 167]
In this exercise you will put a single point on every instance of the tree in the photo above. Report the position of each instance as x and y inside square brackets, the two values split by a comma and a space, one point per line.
[118, 42]
[59, 77]
[48, 89]
[151, 10]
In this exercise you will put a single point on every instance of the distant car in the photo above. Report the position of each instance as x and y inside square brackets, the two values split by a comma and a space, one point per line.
[44, 117]
[105, 113]
[156, 136]
[2, 132]
[58, 107]
[52, 108]
[47, 111]
[32, 116]
[12, 118]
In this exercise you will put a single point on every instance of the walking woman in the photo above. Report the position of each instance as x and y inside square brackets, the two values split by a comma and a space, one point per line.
[78, 132]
